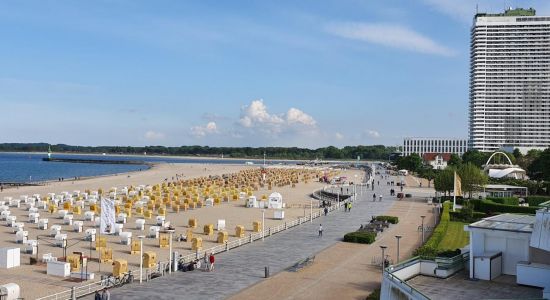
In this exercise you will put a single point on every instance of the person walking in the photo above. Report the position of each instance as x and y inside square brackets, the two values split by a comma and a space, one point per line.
[380, 197]
[205, 260]
[212, 259]
[320, 230]
[97, 295]
[326, 211]
[349, 207]
[105, 295]
[373, 197]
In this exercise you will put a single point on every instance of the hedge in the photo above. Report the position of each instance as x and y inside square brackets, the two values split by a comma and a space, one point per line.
[375, 295]
[361, 237]
[429, 249]
[489, 207]
[390, 219]
[505, 200]
[476, 216]
[537, 200]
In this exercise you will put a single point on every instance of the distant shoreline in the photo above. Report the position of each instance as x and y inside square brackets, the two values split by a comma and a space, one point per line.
[193, 157]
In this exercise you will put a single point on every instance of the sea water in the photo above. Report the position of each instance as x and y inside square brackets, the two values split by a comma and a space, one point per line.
[29, 167]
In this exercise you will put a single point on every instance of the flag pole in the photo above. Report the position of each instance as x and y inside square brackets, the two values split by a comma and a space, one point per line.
[454, 192]
[98, 249]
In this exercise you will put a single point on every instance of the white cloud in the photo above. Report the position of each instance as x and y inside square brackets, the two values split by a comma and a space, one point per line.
[339, 136]
[256, 117]
[154, 135]
[296, 116]
[372, 133]
[256, 113]
[389, 35]
[201, 131]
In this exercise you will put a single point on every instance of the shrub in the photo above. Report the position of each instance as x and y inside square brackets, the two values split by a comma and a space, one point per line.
[429, 249]
[449, 253]
[361, 237]
[505, 200]
[537, 200]
[488, 206]
[390, 219]
[458, 216]
[375, 295]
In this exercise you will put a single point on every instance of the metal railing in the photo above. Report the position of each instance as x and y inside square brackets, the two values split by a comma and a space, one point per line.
[87, 289]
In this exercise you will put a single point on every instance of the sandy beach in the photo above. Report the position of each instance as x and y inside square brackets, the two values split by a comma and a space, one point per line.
[33, 279]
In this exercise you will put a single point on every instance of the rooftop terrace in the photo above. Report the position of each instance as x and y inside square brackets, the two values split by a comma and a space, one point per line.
[460, 287]
[516, 12]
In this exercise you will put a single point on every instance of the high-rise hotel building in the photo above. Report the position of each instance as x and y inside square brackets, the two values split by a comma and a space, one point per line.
[510, 81]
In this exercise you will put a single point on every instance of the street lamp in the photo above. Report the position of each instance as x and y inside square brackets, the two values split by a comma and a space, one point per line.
[170, 231]
[398, 237]
[423, 228]
[141, 237]
[311, 210]
[383, 255]
[263, 224]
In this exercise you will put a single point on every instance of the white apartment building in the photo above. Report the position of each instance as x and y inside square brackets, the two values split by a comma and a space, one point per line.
[510, 81]
[421, 146]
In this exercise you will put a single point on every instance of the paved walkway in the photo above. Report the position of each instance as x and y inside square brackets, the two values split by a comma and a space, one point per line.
[244, 266]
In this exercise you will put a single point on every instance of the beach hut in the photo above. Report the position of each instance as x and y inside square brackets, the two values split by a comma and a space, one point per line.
[43, 224]
[77, 226]
[89, 235]
[252, 202]
[55, 230]
[140, 224]
[275, 201]
[125, 238]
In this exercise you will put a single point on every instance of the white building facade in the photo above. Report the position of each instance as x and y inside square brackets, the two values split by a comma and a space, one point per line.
[421, 146]
[510, 81]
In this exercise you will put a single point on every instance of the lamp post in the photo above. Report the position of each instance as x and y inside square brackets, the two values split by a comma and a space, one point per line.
[141, 237]
[310, 210]
[383, 256]
[263, 224]
[422, 228]
[170, 231]
[398, 237]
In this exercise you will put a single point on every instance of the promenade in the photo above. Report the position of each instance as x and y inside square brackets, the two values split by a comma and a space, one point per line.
[244, 267]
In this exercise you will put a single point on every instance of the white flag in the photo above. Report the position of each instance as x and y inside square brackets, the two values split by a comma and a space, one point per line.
[107, 225]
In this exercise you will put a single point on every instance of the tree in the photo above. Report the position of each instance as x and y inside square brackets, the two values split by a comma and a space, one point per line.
[472, 178]
[444, 181]
[411, 162]
[540, 167]
[475, 157]
[427, 172]
[455, 160]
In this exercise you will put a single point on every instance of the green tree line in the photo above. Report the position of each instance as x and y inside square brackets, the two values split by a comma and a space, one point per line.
[378, 152]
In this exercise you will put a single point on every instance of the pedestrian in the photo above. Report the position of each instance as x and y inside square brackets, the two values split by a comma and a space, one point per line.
[326, 211]
[349, 208]
[105, 295]
[380, 197]
[212, 260]
[373, 197]
[97, 295]
[320, 230]
[206, 267]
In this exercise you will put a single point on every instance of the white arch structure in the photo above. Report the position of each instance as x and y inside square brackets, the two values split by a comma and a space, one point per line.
[501, 153]
[503, 170]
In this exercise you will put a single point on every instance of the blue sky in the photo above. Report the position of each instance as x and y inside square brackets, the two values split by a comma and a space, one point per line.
[236, 73]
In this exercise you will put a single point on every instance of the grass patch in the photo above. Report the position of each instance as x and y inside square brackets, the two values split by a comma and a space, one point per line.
[455, 237]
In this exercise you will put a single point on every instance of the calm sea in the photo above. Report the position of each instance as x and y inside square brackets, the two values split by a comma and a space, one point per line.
[29, 167]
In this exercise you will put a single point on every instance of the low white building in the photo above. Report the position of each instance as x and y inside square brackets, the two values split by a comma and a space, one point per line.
[437, 160]
[507, 244]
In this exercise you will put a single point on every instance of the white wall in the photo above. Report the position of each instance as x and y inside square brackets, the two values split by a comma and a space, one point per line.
[513, 245]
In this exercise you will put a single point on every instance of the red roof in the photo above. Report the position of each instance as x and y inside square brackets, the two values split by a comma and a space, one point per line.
[431, 156]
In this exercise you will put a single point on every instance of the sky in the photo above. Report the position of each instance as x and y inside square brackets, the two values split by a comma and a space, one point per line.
[304, 73]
